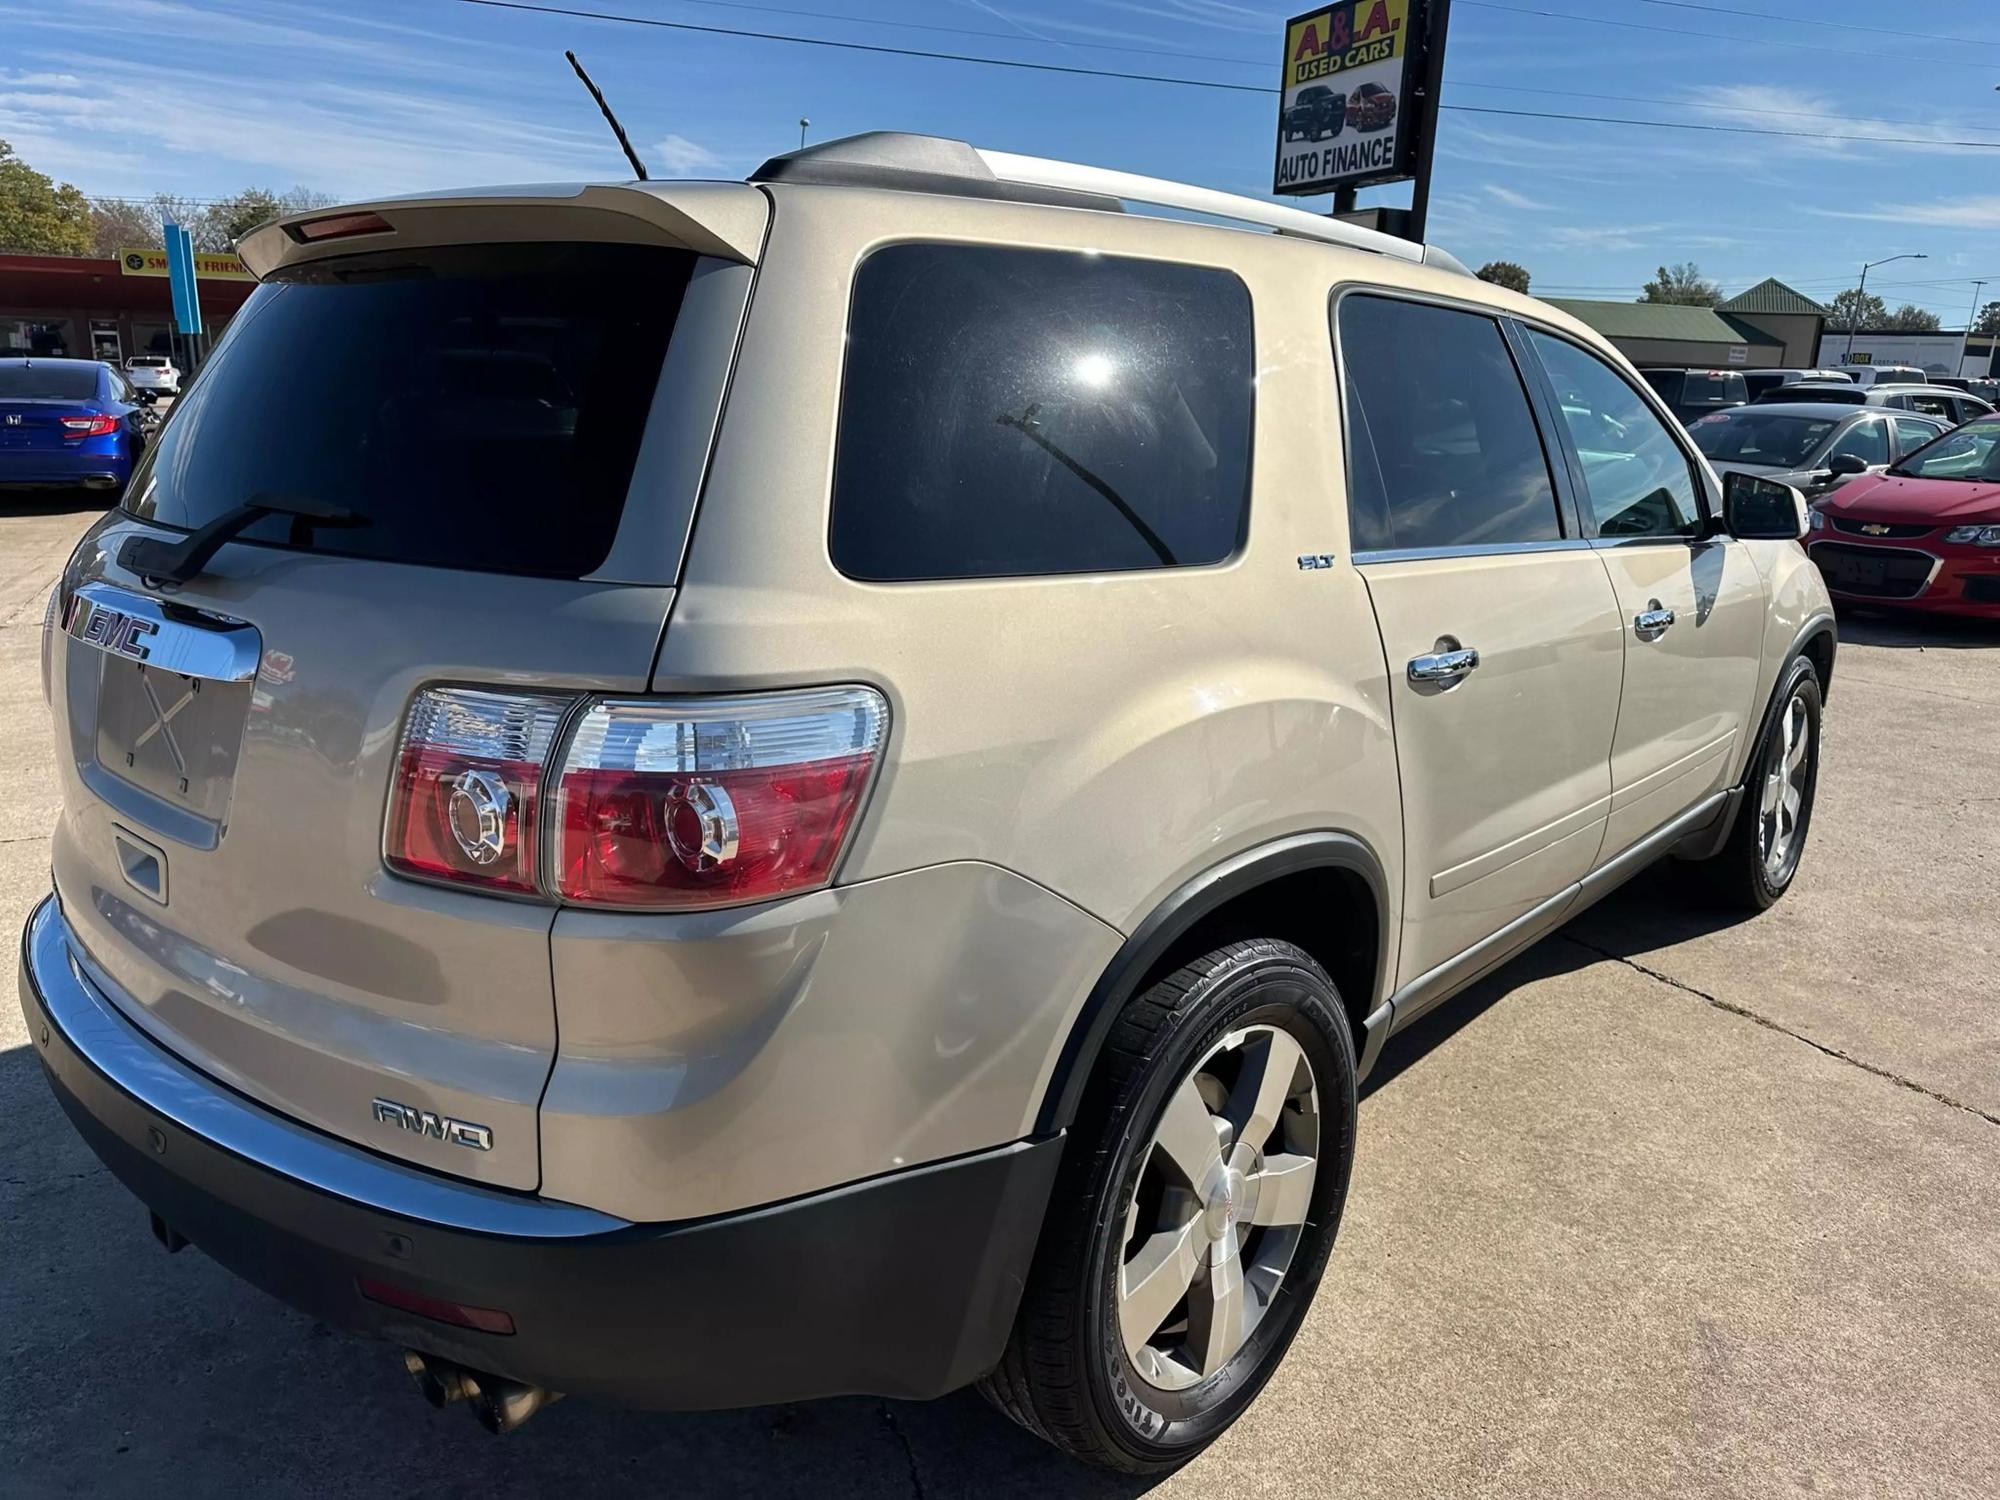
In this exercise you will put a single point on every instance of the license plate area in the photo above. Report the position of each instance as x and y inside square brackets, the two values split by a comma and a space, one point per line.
[158, 697]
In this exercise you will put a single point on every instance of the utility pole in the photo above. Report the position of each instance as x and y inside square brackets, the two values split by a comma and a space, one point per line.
[1965, 344]
[1861, 296]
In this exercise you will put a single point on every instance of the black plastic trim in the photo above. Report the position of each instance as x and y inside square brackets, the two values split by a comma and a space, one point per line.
[904, 1285]
[1174, 916]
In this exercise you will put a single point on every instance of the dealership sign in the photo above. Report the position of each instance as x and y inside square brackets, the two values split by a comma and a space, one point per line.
[1346, 111]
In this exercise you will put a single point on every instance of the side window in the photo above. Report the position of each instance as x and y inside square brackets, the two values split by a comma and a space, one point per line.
[1442, 448]
[1912, 434]
[1637, 480]
[1932, 406]
[1007, 412]
[1867, 440]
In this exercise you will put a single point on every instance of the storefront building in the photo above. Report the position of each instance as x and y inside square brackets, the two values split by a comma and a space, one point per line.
[107, 309]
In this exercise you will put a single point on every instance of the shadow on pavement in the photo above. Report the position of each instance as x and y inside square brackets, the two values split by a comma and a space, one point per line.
[1656, 909]
[1898, 630]
[54, 502]
[128, 1371]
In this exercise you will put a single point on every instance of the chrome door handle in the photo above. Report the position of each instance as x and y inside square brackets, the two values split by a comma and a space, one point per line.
[1651, 624]
[1443, 666]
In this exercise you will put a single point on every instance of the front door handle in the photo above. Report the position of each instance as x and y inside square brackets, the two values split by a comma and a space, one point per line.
[1651, 624]
[1443, 666]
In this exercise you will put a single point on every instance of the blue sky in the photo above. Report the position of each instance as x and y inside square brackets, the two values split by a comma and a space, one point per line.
[202, 97]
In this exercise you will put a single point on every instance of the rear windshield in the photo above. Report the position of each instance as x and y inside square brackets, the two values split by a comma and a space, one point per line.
[47, 382]
[479, 407]
[1708, 386]
[145, 364]
[1776, 440]
[1012, 411]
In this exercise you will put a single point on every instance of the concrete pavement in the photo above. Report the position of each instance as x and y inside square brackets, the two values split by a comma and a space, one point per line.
[1667, 1207]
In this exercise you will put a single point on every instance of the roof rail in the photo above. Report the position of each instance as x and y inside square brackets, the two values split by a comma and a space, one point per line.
[935, 164]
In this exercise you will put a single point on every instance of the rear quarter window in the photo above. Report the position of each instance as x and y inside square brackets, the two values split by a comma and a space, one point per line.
[480, 407]
[1008, 412]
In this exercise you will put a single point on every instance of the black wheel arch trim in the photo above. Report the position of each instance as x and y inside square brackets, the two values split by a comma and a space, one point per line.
[1176, 915]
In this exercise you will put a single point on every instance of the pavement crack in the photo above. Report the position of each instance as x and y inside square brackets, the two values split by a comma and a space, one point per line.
[909, 1450]
[1768, 1024]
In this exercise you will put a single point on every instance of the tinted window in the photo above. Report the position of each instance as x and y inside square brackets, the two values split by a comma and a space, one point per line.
[1867, 440]
[1912, 434]
[1636, 478]
[1748, 435]
[1009, 412]
[33, 382]
[1442, 449]
[480, 407]
[1713, 388]
[1971, 454]
[1929, 405]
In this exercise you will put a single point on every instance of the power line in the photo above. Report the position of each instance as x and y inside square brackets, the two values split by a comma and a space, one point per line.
[1713, 37]
[1200, 83]
[1734, 109]
[1764, 15]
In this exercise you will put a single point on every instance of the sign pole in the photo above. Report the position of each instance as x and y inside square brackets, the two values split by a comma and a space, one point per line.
[1437, 24]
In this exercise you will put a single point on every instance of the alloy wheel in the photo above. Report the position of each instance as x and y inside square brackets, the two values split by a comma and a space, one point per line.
[1784, 791]
[1223, 1194]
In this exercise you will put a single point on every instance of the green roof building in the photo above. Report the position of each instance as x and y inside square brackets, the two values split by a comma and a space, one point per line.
[1769, 326]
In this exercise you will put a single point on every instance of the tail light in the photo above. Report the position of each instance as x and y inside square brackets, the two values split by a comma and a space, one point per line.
[93, 426]
[657, 804]
[469, 788]
[694, 803]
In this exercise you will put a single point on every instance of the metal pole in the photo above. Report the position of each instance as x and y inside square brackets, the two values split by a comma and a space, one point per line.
[1854, 313]
[1965, 344]
[1439, 22]
[803, 122]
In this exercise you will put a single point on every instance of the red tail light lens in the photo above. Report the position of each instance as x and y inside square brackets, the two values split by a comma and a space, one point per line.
[92, 426]
[337, 227]
[468, 787]
[692, 803]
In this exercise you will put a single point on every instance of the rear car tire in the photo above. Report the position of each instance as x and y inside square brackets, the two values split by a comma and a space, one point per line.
[1758, 863]
[1198, 1199]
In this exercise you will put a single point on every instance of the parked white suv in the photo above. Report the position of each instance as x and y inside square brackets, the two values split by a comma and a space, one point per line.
[750, 791]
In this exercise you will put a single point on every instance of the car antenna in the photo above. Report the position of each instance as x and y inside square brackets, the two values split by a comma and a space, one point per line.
[624, 141]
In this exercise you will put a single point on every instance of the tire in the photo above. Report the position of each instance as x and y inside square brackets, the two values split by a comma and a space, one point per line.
[1743, 874]
[1123, 1202]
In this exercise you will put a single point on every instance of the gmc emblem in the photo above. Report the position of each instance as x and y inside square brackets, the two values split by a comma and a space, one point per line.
[111, 630]
[438, 1127]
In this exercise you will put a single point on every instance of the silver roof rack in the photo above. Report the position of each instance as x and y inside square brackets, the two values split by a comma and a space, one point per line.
[924, 163]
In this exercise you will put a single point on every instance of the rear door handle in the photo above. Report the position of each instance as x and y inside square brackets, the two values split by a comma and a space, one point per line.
[1443, 666]
[1651, 624]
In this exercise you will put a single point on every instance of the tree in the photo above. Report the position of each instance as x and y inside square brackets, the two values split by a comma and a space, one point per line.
[1910, 318]
[1682, 284]
[1855, 309]
[1505, 273]
[1989, 319]
[38, 216]
[117, 222]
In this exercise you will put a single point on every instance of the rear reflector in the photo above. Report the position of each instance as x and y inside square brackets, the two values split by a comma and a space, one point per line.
[469, 787]
[481, 1319]
[337, 227]
[689, 803]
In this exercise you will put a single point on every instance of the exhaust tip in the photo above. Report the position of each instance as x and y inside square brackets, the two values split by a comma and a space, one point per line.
[498, 1404]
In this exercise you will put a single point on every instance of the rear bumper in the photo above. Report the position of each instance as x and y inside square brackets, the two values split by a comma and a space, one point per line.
[905, 1285]
[22, 468]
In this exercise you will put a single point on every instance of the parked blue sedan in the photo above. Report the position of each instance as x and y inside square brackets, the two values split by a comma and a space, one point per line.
[68, 424]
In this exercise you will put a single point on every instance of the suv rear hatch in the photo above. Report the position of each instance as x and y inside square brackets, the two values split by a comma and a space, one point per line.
[444, 404]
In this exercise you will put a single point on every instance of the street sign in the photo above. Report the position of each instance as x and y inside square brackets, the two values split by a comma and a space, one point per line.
[1349, 110]
[135, 261]
[180, 270]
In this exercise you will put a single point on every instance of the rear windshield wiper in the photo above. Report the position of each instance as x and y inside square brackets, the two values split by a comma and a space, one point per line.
[160, 561]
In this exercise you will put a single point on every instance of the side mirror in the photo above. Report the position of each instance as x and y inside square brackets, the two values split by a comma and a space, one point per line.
[1762, 510]
[1847, 465]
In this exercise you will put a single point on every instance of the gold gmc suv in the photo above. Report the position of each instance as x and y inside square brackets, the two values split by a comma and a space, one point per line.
[756, 790]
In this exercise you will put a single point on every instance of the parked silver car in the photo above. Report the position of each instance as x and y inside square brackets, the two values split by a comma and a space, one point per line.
[154, 373]
[1813, 447]
[859, 831]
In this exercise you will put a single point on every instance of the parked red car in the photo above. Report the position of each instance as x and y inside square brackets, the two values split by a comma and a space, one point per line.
[1370, 107]
[1923, 535]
